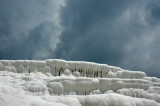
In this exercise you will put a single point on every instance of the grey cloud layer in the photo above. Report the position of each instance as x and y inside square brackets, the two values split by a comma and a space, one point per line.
[124, 33]
[29, 29]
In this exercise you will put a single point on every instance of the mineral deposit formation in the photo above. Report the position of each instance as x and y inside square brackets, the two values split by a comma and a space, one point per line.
[74, 83]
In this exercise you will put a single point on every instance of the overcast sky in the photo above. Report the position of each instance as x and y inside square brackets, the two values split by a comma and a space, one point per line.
[124, 33]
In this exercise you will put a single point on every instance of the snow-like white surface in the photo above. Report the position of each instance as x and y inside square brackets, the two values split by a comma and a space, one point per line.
[152, 79]
[114, 100]
[139, 93]
[56, 67]
[130, 74]
[83, 85]
[37, 89]
[33, 83]
[154, 89]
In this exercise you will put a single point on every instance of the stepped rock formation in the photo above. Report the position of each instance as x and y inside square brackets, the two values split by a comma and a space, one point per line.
[74, 83]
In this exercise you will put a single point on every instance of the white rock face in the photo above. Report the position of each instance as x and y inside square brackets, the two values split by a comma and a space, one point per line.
[152, 79]
[76, 74]
[111, 75]
[55, 88]
[11, 68]
[109, 91]
[88, 69]
[47, 69]
[139, 93]
[154, 90]
[130, 74]
[67, 72]
[68, 83]
[114, 100]
[155, 81]
[35, 88]
[115, 84]
[95, 92]
[1, 67]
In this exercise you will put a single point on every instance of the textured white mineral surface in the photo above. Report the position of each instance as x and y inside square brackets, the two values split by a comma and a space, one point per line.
[74, 83]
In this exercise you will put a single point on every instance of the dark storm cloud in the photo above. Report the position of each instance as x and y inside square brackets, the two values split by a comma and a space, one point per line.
[86, 24]
[124, 33]
[29, 29]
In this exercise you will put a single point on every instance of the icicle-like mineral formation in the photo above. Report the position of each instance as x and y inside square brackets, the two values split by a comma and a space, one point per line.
[87, 80]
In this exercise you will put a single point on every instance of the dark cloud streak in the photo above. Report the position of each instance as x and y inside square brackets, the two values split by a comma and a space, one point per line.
[114, 32]
[29, 29]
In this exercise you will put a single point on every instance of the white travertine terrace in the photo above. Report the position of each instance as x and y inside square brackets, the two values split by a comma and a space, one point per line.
[84, 86]
[152, 79]
[82, 83]
[155, 81]
[139, 93]
[86, 69]
[107, 77]
[130, 74]
[154, 89]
